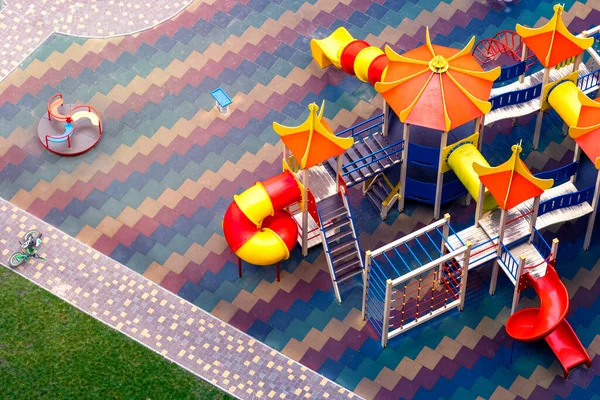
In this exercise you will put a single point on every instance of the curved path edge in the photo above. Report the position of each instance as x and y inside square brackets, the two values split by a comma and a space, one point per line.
[158, 319]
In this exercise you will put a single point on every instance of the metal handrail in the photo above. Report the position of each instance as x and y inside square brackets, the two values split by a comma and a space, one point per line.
[66, 136]
[585, 82]
[325, 245]
[50, 113]
[373, 160]
[504, 253]
[347, 205]
[540, 244]
[566, 200]
[352, 128]
[90, 109]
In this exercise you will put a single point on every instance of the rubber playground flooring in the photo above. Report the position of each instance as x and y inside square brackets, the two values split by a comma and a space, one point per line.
[153, 192]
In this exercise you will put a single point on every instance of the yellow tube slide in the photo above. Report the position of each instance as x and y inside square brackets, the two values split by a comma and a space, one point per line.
[265, 248]
[461, 161]
[565, 101]
[328, 50]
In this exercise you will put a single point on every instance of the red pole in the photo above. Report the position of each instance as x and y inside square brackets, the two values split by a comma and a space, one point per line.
[240, 267]
[278, 271]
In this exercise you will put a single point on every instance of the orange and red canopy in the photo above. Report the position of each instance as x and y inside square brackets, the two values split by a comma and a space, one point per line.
[587, 131]
[437, 87]
[312, 142]
[553, 43]
[511, 183]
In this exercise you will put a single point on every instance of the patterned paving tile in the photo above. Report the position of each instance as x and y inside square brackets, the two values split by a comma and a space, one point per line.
[152, 194]
[158, 319]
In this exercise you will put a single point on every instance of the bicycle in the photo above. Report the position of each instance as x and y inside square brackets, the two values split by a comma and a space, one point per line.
[31, 242]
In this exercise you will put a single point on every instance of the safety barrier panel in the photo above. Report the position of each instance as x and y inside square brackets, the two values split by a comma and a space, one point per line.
[566, 200]
[541, 245]
[511, 72]
[589, 81]
[517, 97]
[560, 175]
[509, 263]
[413, 280]
[423, 156]
[424, 192]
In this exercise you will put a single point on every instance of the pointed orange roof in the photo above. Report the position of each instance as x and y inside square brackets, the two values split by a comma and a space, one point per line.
[553, 43]
[511, 183]
[587, 131]
[435, 86]
[312, 142]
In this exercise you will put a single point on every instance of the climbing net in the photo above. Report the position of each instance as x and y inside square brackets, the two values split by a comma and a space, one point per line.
[414, 279]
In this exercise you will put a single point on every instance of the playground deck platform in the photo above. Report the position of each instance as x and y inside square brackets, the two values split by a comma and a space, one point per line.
[322, 186]
[529, 107]
[485, 236]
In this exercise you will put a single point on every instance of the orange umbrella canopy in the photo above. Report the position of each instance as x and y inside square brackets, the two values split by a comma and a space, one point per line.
[587, 131]
[437, 87]
[511, 183]
[553, 43]
[312, 142]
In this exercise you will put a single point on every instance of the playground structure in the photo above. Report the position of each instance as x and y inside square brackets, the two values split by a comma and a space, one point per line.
[256, 225]
[407, 285]
[302, 204]
[548, 321]
[428, 90]
[399, 295]
[355, 57]
[383, 184]
[69, 129]
[413, 280]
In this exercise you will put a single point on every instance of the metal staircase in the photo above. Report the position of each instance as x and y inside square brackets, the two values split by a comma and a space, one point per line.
[340, 240]
[382, 193]
[369, 156]
[372, 155]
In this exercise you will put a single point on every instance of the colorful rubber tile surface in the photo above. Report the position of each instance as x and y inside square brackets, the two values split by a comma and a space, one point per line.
[152, 194]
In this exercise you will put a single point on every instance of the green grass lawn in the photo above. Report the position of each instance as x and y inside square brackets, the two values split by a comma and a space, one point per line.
[50, 350]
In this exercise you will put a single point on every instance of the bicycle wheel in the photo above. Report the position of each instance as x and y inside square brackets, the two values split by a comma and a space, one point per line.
[32, 233]
[17, 259]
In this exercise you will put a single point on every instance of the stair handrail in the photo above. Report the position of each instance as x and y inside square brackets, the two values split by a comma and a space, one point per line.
[371, 155]
[326, 245]
[344, 196]
[360, 124]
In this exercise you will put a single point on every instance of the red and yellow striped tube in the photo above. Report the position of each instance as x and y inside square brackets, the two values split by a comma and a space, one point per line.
[256, 226]
[355, 57]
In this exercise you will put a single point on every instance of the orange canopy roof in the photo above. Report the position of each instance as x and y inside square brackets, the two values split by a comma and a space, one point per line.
[553, 43]
[435, 86]
[511, 183]
[587, 131]
[312, 142]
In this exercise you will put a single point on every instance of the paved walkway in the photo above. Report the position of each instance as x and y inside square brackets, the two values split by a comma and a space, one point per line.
[25, 24]
[158, 319]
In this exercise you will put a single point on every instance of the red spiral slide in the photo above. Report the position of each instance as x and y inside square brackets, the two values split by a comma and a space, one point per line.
[548, 322]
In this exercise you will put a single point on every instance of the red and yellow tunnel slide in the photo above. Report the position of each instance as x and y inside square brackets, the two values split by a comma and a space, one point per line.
[355, 57]
[256, 225]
